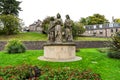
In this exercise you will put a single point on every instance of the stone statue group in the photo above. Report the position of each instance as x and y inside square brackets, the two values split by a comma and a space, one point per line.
[56, 30]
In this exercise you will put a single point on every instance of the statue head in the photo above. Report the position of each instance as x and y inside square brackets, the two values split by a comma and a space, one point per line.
[58, 15]
[67, 17]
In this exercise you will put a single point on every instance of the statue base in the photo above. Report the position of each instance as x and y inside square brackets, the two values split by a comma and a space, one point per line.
[59, 52]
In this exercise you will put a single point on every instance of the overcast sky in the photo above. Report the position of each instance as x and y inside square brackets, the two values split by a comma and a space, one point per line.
[39, 9]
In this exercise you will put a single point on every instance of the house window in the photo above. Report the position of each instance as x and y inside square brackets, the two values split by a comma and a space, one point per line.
[111, 25]
[111, 30]
[116, 30]
[94, 33]
[94, 26]
[101, 32]
[100, 26]
[89, 32]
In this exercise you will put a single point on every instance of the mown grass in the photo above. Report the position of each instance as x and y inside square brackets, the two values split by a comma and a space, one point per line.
[92, 39]
[109, 69]
[34, 36]
[27, 36]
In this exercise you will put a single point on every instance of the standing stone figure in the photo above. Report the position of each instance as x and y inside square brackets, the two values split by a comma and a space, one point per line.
[68, 29]
[58, 29]
[51, 30]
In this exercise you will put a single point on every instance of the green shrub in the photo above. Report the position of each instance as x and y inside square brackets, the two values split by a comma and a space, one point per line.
[114, 54]
[103, 50]
[15, 46]
[114, 51]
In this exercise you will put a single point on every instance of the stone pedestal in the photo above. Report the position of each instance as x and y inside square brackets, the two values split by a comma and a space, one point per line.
[59, 52]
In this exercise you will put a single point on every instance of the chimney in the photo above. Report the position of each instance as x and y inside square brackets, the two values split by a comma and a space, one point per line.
[113, 20]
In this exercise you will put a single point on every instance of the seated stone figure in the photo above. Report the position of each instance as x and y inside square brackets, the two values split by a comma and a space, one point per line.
[68, 29]
[51, 30]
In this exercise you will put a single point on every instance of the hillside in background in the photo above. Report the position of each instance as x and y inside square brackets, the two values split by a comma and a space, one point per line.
[34, 36]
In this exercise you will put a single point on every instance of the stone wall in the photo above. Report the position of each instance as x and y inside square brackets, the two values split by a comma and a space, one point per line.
[91, 44]
[36, 45]
[2, 45]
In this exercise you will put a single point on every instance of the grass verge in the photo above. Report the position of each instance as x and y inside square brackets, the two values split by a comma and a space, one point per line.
[34, 36]
[109, 69]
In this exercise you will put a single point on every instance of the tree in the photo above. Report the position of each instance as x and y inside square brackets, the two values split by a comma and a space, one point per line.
[78, 28]
[94, 19]
[45, 24]
[117, 20]
[9, 7]
[11, 24]
[83, 21]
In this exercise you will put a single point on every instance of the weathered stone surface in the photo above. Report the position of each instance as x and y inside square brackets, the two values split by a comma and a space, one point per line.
[2, 45]
[68, 29]
[59, 51]
[62, 60]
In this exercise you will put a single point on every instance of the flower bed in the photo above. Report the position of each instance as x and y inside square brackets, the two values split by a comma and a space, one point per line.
[29, 72]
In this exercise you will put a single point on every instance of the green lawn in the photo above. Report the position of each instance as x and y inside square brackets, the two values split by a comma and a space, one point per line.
[28, 36]
[33, 36]
[109, 69]
[92, 39]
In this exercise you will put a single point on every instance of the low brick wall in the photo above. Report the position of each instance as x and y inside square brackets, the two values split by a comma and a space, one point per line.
[91, 44]
[36, 45]
[33, 45]
[2, 45]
